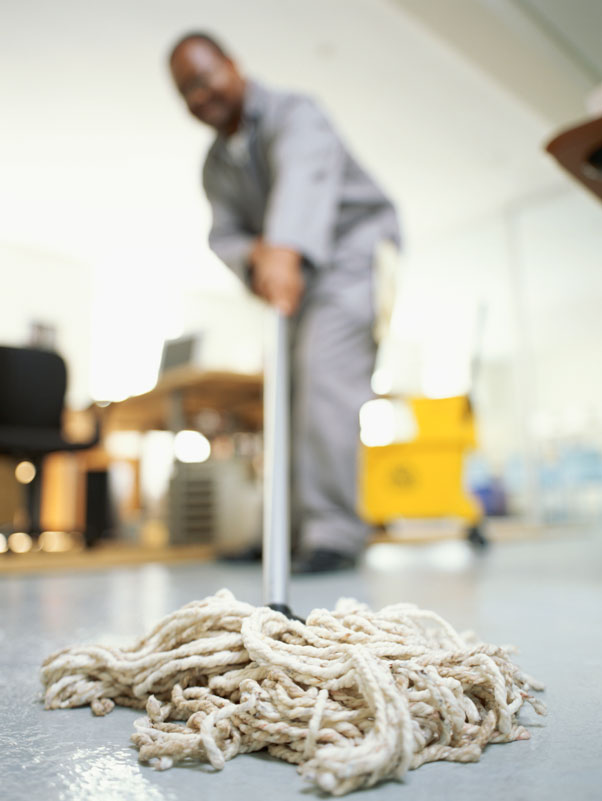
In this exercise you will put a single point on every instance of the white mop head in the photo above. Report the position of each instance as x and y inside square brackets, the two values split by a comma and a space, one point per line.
[352, 696]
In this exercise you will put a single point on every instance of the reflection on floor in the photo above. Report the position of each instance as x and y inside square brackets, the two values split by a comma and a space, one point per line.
[115, 553]
[543, 595]
[103, 555]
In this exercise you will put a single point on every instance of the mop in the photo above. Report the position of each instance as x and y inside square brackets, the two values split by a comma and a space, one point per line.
[351, 696]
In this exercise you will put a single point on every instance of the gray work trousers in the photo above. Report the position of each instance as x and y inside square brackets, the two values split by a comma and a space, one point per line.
[332, 358]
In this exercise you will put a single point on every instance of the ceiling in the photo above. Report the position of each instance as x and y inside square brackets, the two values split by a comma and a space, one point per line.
[575, 28]
[447, 103]
[545, 52]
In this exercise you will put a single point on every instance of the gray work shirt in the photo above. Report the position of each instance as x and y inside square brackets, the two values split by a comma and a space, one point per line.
[286, 175]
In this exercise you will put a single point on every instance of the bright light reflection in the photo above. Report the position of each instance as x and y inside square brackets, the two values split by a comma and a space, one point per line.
[384, 421]
[20, 542]
[445, 374]
[124, 444]
[25, 472]
[99, 774]
[3, 544]
[382, 381]
[377, 423]
[55, 541]
[389, 557]
[454, 556]
[191, 446]
[450, 556]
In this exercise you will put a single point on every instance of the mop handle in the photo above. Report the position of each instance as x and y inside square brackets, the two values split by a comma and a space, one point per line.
[276, 517]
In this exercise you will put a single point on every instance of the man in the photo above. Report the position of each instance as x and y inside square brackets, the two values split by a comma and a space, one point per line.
[298, 220]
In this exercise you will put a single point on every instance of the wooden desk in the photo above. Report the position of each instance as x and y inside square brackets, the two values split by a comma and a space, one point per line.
[179, 396]
[173, 404]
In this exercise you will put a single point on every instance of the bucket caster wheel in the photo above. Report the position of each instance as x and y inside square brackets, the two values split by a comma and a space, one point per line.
[476, 536]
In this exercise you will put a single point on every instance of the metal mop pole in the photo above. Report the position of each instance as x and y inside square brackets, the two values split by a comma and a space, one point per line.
[276, 520]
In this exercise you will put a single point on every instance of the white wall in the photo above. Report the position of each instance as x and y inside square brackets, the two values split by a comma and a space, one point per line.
[134, 312]
[561, 253]
[535, 268]
[54, 289]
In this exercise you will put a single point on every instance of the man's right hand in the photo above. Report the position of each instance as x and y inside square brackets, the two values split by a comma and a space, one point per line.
[277, 276]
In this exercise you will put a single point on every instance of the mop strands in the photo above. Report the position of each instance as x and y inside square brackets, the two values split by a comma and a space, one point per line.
[352, 696]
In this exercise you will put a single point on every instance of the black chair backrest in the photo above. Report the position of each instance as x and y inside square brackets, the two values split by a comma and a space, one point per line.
[32, 387]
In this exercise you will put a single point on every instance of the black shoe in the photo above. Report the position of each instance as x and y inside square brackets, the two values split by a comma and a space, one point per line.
[323, 560]
[249, 553]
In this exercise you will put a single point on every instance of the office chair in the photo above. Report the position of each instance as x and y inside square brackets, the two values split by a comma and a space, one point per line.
[32, 394]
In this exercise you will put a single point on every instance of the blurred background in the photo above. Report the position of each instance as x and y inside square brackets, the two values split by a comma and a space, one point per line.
[103, 252]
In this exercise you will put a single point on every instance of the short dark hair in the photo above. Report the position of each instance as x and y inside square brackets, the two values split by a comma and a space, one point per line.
[199, 36]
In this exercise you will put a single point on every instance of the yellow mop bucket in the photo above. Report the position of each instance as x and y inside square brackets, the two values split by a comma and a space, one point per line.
[422, 477]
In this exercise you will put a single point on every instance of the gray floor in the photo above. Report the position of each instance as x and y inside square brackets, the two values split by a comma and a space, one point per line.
[544, 596]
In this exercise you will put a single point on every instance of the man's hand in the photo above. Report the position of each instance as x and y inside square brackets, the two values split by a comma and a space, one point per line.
[277, 276]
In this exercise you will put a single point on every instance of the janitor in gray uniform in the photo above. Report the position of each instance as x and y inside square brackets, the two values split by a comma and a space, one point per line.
[298, 220]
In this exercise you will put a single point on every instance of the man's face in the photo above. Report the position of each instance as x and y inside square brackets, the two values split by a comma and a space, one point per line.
[209, 83]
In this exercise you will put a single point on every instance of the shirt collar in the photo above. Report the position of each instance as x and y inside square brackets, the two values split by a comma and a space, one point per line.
[254, 100]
